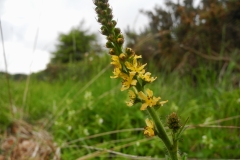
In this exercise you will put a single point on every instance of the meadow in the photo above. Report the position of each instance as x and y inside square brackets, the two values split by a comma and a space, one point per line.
[85, 111]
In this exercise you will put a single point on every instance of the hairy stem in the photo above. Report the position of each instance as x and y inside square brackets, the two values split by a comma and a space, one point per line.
[162, 134]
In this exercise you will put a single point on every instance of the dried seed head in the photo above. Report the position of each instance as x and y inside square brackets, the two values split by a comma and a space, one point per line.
[173, 122]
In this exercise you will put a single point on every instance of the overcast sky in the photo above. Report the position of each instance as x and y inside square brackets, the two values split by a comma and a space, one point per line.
[23, 19]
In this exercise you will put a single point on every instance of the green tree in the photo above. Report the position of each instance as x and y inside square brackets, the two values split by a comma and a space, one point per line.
[74, 45]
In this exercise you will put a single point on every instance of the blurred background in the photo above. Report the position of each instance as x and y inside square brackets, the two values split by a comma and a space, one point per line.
[55, 78]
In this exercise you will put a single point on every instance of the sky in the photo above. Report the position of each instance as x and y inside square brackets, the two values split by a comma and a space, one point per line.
[31, 27]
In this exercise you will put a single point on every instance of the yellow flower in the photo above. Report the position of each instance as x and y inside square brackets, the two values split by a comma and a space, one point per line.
[128, 81]
[149, 99]
[149, 129]
[135, 66]
[132, 97]
[147, 77]
[117, 72]
[116, 62]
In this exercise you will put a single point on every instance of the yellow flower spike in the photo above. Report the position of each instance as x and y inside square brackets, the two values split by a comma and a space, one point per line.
[128, 81]
[116, 62]
[149, 129]
[132, 97]
[116, 72]
[148, 99]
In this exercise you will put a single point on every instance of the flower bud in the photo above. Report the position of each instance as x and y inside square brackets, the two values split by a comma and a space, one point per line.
[120, 36]
[103, 21]
[123, 56]
[114, 23]
[120, 41]
[129, 51]
[109, 44]
[110, 16]
[110, 25]
[101, 4]
[110, 37]
[109, 10]
[97, 9]
[104, 30]
[95, 2]
[117, 31]
[112, 51]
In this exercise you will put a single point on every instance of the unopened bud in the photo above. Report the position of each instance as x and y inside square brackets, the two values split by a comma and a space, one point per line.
[120, 41]
[117, 31]
[112, 52]
[123, 56]
[110, 37]
[103, 21]
[120, 36]
[110, 16]
[129, 51]
[114, 23]
[104, 31]
[95, 2]
[109, 44]
[109, 10]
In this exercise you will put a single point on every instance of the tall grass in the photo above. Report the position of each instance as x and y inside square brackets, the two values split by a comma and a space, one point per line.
[84, 110]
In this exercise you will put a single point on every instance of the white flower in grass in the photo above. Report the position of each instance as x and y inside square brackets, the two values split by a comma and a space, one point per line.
[85, 131]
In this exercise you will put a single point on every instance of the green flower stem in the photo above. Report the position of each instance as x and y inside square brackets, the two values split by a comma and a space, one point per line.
[162, 134]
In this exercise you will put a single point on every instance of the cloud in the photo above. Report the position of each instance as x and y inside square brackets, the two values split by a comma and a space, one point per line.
[23, 60]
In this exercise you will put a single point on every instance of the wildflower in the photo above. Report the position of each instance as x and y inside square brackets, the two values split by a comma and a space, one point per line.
[116, 72]
[149, 129]
[116, 62]
[128, 81]
[149, 99]
[147, 77]
[132, 97]
[135, 66]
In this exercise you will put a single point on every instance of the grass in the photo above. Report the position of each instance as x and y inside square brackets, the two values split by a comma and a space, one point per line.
[85, 112]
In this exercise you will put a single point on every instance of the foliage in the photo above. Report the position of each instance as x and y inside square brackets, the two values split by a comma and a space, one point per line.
[73, 46]
[184, 37]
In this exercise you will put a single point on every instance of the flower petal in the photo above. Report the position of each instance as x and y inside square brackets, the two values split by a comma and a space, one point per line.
[144, 106]
[142, 95]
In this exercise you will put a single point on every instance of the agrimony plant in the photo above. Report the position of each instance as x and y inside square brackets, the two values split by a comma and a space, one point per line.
[134, 79]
